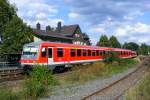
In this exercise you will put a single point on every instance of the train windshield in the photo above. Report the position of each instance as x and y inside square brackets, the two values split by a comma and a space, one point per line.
[29, 53]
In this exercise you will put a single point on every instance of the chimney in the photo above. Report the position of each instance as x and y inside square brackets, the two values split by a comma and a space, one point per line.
[59, 26]
[38, 26]
[48, 28]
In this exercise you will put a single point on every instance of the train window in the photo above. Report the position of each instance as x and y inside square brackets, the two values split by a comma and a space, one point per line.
[84, 52]
[72, 52]
[49, 52]
[104, 52]
[89, 52]
[93, 53]
[121, 52]
[44, 50]
[59, 52]
[78, 52]
[97, 53]
[124, 53]
[101, 53]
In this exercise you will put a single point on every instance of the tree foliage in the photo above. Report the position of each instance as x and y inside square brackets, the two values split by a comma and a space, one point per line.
[15, 35]
[114, 42]
[38, 82]
[14, 32]
[131, 45]
[6, 13]
[104, 42]
[144, 49]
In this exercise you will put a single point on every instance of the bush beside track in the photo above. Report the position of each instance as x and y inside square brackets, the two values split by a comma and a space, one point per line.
[41, 81]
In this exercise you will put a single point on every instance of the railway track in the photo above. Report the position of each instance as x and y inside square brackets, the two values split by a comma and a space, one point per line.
[116, 89]
[10, 74]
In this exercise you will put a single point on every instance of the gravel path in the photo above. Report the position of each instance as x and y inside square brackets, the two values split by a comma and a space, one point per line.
[117, 89]
[76, 92]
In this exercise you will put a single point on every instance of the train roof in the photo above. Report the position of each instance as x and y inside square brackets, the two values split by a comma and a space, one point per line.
[55, 44]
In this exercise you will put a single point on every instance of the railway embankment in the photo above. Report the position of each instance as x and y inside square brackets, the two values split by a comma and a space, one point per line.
[79, 89]
[76, 84]
[141, 90]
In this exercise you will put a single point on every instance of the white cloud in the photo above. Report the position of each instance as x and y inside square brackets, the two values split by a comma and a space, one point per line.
[128, 30]
[73, 15]
[44, 23]
[141, 28]
[33, 11]
[138, 32]
[143, 40]
[108, 16]
[99, 30]
[41, 15]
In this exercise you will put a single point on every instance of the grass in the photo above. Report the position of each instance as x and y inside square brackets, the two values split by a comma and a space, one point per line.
[41, 81]
[82, 74]
[38, 84]
[7, 94]
[140, 91]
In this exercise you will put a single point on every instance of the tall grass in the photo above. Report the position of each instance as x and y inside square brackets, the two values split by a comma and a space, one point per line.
[38, 84]
[98, 70]
[7, 94]
[86, 72]
[140, 91]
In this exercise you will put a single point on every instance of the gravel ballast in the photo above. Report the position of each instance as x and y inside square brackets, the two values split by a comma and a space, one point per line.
[77, 92]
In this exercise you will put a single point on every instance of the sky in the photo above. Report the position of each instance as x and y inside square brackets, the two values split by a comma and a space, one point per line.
[128, 20]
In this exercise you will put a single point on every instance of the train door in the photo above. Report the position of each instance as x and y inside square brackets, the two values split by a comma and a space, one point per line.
[50, 56]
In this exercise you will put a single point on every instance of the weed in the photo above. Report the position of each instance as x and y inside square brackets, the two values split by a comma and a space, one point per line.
[98, 69]
[39, 82]
[6, 94]
[140, 91]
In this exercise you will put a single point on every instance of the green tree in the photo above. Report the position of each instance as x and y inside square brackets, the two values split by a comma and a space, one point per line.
[15, 35]
[131, 45]
[104, 42]
[144, 49]
[114, 42]
[6, 13]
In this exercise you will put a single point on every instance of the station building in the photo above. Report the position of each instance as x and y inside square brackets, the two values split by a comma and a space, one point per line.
[64, 34]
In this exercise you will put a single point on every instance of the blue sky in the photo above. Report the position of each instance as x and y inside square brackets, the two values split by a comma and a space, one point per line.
[128, 20]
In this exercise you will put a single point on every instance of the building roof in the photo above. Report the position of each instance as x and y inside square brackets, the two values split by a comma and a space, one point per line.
[66, 32]
[47, 34]
[69, 29]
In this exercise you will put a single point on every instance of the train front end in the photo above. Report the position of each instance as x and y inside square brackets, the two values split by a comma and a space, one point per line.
[29, 55]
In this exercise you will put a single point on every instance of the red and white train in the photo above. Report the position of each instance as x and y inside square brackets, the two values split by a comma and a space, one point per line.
[61, 54]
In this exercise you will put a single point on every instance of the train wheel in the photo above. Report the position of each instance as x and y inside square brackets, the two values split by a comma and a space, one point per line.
[27, 70]
[59, 69]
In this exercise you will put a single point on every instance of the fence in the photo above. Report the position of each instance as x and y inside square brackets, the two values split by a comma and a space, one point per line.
[9, 60]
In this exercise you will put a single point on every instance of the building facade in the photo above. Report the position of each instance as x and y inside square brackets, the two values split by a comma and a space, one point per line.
[64, 34]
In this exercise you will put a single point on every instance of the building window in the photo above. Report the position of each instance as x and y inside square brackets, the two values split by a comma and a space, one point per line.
[78, 52]
[84, 52]
[59, 52]
[89, 52]
[72, 52]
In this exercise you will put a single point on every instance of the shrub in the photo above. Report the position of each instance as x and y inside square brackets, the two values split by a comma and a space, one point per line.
[39, 82]
[8, 95]
[111, 56]
[86, 72]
